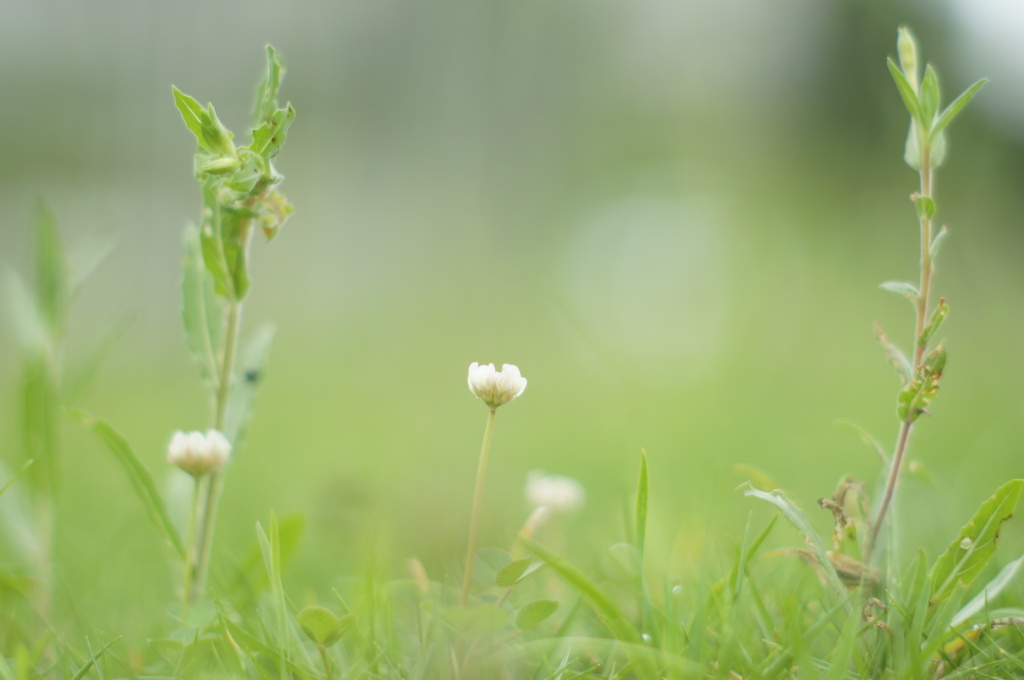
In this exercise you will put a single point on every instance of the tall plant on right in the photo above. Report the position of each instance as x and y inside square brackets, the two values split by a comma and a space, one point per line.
[914, 621]
[925, 151]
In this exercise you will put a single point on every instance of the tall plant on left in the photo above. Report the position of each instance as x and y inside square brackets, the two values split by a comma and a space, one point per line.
[239, 198]
[39, 308]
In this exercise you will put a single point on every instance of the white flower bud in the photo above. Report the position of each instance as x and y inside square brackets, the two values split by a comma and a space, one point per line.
[560, 495]
[197, 453]
[495, 388]
[906, 46]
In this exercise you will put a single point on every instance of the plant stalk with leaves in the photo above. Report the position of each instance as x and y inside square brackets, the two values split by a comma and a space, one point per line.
[239, 197]
[925, 152]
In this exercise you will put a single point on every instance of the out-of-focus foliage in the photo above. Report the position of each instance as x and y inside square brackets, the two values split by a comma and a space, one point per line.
[672, 216]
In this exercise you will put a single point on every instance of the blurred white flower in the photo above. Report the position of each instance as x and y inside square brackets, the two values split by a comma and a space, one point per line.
[495, 388]
[197, 453]
[560, 495]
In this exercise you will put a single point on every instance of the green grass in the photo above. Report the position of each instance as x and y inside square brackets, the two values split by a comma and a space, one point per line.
[343, 520]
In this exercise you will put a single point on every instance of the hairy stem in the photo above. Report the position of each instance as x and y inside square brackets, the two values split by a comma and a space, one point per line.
[927, 180]
[478, 495]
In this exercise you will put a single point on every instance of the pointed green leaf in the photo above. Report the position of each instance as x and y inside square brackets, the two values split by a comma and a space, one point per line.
[532, 614]
[930, 96]
[903, 289]
[509, 574]
[322, 627]
[266, 95]
[640, 509]
[140, 477]
[906, 91]
[968, 554]
[201, 311]
[191, 111]
[954, 109]
[612, 615]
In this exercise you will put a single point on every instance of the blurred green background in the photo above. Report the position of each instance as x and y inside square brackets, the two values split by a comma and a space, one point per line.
[673, 216]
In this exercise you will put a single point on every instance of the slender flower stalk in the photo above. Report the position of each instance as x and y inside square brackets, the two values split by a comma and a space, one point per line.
[202, 456]
[494, 388]
[478, 496]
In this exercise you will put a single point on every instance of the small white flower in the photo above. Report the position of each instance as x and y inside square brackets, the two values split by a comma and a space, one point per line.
[495, 388]
[560, 495]
[197, 453]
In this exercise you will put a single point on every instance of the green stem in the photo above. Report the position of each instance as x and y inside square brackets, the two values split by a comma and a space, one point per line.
[326, 661]
[215, 481]
[478, 495]
[190, 551]
[924, 289]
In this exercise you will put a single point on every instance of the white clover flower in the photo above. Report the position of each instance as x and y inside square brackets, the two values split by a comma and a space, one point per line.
[495, 388]
[197, 453]
[560, 495]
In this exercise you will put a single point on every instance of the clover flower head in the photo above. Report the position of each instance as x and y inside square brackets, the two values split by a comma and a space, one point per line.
[495, 388]
[197, 453]
[560, 495]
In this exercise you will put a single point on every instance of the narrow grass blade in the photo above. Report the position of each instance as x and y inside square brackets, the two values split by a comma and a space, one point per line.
[989, 592]
[252, 577]
[140, 477]
[92, 661]
[799, 520]
[25, 466]
[613, 616]
[640, 512]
